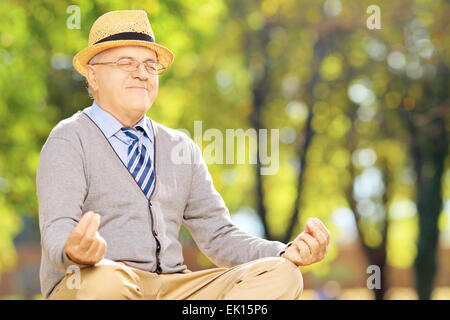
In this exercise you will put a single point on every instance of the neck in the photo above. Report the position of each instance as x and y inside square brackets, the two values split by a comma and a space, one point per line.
[128, 119]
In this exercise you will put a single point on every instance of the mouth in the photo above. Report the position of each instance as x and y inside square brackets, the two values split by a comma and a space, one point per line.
[135, 87]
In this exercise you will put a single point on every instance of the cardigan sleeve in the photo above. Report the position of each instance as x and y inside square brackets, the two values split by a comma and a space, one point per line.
[208, 219]
[61, 189]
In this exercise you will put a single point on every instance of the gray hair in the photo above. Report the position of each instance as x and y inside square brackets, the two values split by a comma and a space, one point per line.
[93, 59]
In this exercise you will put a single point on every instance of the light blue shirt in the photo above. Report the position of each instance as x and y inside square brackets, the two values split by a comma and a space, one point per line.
[110, 127]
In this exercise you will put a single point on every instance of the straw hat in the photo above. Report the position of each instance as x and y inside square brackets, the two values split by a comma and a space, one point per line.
[117, 29]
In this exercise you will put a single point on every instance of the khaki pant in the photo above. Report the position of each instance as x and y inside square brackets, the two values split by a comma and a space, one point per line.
[267, 278]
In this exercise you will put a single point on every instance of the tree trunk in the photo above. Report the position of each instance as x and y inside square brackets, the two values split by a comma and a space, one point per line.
[375, 256]
[429, 148]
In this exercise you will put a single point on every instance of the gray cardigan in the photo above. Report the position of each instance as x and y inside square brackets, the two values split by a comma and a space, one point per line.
[80, 171]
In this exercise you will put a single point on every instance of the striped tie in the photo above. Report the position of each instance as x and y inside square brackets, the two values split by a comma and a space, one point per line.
[139, 162]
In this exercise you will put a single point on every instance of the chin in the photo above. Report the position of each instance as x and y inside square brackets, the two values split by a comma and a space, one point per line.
[140, 107]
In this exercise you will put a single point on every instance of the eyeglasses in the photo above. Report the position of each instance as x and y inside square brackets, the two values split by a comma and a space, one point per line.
[131, 65]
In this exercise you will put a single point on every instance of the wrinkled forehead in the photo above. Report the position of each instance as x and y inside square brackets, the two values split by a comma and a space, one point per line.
[136, 52]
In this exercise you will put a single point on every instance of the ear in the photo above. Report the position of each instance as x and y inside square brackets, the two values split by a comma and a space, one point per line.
[90, 77]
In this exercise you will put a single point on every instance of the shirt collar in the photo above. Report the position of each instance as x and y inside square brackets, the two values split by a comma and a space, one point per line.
[110, 125]
[144, 123]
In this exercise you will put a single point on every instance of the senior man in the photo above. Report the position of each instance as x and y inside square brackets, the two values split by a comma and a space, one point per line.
[112, 197]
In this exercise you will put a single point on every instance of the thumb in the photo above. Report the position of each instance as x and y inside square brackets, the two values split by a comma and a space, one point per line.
[93, 225]
[85, 221]
[309, 225]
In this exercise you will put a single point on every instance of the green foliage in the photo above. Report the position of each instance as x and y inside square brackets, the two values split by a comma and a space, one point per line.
[221, 49]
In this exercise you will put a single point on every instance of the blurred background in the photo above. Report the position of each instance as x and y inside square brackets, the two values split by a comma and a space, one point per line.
[363, 115]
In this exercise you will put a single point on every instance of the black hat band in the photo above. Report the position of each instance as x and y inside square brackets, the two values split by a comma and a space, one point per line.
[128, 36]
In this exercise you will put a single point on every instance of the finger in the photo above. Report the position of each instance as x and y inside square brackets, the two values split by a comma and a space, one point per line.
[303, 248]
[326, 234]
[302, 255]
[313, 244]
[93, 226]
[316, 232]
[306, 254]
[89, 236]
[309, 224]
[91, 252]
[323, 228]
[78, 232]
[101, 249]
[96, 248]
[317, 250]
[84, 222]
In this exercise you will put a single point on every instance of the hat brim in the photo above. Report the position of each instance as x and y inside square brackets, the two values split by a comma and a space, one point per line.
[165, 56]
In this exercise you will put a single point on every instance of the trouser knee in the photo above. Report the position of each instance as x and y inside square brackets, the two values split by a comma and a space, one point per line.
[289, 276]
[107, 280]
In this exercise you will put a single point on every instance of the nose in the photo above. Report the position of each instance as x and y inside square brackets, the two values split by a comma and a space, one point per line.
[141, 72]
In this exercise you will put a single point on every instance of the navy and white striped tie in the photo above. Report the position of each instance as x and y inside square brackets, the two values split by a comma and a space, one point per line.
[139, 162]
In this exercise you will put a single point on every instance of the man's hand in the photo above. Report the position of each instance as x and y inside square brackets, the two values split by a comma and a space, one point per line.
[310, 246]
[85, 245]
